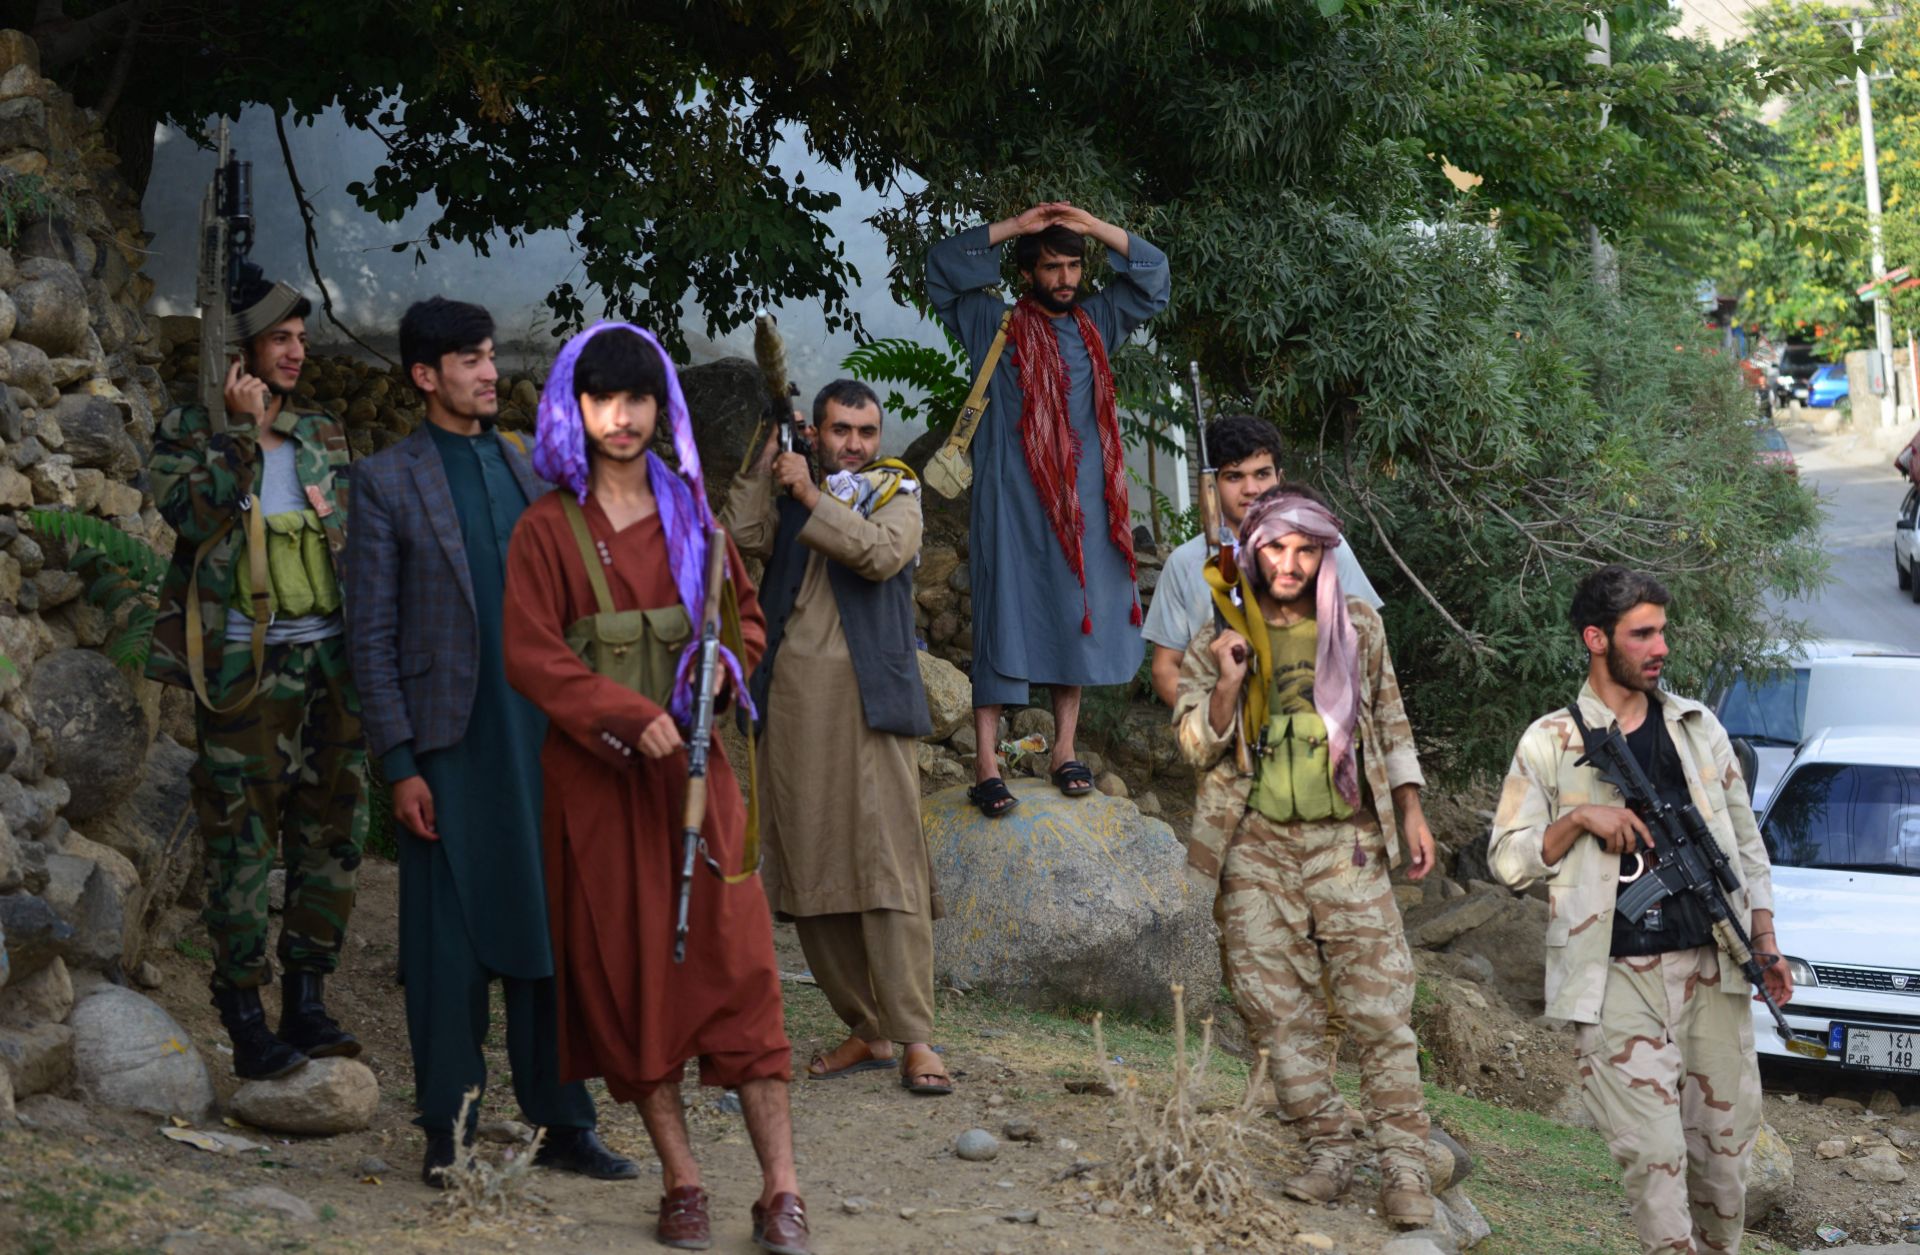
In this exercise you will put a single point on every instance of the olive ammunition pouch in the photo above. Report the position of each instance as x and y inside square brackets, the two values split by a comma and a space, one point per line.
[636, 649]
[1293, 772]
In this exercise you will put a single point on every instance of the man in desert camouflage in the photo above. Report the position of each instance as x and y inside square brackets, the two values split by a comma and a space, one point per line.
[1300, 852]
[1663, 1033]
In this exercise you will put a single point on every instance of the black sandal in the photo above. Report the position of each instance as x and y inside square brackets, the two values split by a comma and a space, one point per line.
[992, 797]
[1073, 778]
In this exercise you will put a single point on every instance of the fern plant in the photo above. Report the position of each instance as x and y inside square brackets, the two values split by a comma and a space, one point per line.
[940, 376]
[122, 571]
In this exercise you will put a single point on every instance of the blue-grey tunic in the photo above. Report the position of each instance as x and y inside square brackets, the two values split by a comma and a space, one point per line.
[1027, 605]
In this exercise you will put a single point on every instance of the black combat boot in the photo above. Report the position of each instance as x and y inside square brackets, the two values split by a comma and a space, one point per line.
[304, 1020]
[581, 1151]
[438, 1159]
[257, 1054]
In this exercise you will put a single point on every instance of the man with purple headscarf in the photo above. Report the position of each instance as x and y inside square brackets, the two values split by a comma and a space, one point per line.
[608, 568]
[1300, 851]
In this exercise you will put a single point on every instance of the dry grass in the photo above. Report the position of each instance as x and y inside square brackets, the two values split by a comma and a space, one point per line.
[1185, 1158]
[482, 1189]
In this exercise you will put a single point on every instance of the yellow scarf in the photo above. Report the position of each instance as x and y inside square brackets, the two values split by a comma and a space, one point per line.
[1254, 693]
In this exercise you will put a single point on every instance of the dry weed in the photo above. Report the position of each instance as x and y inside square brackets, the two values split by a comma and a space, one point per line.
[480, 1188]
[1180, 1159]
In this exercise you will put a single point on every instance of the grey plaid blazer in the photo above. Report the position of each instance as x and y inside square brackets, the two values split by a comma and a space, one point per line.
[411, 629]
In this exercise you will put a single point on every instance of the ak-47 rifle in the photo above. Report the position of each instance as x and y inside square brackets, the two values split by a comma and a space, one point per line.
[770, 351]
[699, 740]
[1686, 859]
[1220, 546]
[226, 237]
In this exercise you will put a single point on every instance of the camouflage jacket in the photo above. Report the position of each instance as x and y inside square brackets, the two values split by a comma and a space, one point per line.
[200, 477]
[1388, 757]
[1543, 783]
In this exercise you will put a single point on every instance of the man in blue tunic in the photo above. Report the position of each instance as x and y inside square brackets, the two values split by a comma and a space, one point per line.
[1054, 582]
[461, 750]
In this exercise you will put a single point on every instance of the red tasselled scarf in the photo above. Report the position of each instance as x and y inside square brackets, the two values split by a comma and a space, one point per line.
[1053, 447]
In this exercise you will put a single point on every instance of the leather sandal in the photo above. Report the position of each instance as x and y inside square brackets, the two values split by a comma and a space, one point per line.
[992, 797]
[820, 1067]
[1073, 778]
[922, 1072]
[780, 1226]
[683, 1224]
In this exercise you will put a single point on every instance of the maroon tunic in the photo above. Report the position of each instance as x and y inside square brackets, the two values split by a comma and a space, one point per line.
[611, 828]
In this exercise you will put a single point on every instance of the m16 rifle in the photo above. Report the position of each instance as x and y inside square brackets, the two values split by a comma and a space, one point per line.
[226, 237]
[1220, 545]
[700, 740]
[1686, 859]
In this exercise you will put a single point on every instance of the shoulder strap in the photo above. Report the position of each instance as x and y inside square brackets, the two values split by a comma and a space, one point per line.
[969, 421]
[589, 553]
[515, 439]
[262, 592]
[1586, 734]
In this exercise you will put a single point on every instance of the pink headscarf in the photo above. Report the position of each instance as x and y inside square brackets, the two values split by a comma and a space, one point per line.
[1336, 661]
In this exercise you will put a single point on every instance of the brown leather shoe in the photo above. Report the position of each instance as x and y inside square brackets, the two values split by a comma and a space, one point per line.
[683, 1220]
[1325, 1179]
[1406, 1200]
[781, 1226]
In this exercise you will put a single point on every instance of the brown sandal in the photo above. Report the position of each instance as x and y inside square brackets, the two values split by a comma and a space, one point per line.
[915, 1073]
[820, 1067]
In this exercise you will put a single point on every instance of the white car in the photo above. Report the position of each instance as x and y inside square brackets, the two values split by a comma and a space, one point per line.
[1843, 831]
[1768, 710]
[1906, 543]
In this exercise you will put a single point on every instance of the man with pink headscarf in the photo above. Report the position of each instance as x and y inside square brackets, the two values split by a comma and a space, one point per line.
[1300, 851]
[627, 528]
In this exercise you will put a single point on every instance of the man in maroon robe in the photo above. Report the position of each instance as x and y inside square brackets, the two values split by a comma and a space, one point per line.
[615, 771]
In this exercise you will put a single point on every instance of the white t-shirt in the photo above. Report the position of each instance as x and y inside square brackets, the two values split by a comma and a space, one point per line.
[1182, 604]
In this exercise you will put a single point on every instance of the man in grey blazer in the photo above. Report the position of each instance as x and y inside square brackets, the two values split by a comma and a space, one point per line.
[460, 748]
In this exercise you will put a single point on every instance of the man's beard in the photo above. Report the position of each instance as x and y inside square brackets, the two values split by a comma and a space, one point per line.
[601, 450]
[473, 412]
[1628, 676]
[1045, 299]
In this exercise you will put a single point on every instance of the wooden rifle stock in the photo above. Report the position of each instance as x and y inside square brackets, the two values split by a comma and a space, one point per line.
[1213, 526]
[700, 738]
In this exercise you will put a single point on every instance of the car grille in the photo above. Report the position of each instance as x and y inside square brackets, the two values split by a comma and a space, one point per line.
[1868, 978]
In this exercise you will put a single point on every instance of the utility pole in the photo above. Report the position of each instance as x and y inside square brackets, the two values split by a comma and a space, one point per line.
[1870, 158]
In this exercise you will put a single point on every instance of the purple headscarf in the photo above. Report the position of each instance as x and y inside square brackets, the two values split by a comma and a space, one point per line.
[560, 457]
[1336, 658]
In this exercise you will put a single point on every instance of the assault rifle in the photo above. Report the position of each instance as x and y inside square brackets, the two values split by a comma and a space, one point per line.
[226, 237]
[770, 351]
[706, 687]
[1219, 543]
[1686, 859]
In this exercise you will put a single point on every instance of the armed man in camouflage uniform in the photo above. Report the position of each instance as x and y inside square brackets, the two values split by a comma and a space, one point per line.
[1300, 853]
[250, 619]
[1663, 1033]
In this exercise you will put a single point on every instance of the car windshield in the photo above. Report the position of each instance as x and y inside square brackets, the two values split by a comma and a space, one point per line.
[1845, 815]
[1766, 707]
[1770, 440]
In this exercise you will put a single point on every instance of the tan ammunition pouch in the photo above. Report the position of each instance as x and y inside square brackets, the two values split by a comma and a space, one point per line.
[1293, 772]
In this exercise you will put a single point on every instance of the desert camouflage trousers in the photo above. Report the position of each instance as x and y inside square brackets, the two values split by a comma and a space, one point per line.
[1296, 908]
[1670, 1076]
[286, 774]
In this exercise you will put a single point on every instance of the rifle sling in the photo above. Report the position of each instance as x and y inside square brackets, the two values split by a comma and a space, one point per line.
[961, 438]
[262, 613]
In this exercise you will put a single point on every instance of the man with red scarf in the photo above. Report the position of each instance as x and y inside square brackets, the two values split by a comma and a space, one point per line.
[1054, 581]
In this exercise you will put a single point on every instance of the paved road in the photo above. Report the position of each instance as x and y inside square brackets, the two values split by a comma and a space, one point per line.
[1861, 493]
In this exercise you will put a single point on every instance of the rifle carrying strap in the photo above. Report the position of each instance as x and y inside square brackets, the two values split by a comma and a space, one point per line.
[589, 553]
[948, 471]
[262, 587]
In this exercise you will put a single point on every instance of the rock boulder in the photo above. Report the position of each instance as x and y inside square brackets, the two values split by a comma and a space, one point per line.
[39, 1058]
[99, 730]
[1068, 902]
[34, 932]
[949, 696]
[327, 1096]
[51, 304]
[1769, 1174]
[128, 1052]
[96, 435]
[725, 400]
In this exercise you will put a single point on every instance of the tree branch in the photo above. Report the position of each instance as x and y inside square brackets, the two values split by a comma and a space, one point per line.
[63, 40]
[123, 60]
[306, 220]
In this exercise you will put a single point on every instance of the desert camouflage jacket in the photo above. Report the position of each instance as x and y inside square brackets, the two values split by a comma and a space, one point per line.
[1543, 783]
[1388, 758]
[199, 477]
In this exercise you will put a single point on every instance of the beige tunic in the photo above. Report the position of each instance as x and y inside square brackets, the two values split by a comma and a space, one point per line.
[840, 807]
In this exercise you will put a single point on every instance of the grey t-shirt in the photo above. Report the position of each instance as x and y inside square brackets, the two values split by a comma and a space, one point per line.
[281, 493]
[1182, 605]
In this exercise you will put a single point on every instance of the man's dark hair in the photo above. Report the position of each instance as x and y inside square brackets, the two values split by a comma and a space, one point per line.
[1292, 488]
[617, 360]
[433, 328]
[848, 392]
[1238, 437]
[1056, 239]
[1603, 597]
[253, 288]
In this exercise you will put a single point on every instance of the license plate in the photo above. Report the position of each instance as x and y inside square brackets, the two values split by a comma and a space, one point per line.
[1883, 1049]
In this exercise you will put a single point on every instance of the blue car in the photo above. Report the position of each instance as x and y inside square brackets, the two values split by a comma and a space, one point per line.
[1828, 387]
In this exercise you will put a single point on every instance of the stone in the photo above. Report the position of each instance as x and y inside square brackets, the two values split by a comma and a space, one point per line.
[143, 824]
[725, 401]
[16, 491]
[1769, 1176]
[54, 483]
[1070, 902]
[1457, 1038]
[50, 1113]
[119, 501]
[1033, 719]
[328, 1096]
[856, 1206]
[1418, 1243]
[95, 433]
[147, 976]
[1433, 925]
[1460, 1219]
[1020, 1129]
[1111, 785]
[949, 696]
[1313, 1241]
[23, 124]
[129, 1053]
[46, 997]
[1473, 967]
[98, 728]
[1150, 806]
[1832, 1148]
[274, 1202]
[977, 1146]
[34, 933]
[50, 302]
[1837, 1103]
[39, 1058]
[1882, 1171]
[93, 898]
[1884, 1103]
[30, 371]
[18, 49]
[1448, 1162]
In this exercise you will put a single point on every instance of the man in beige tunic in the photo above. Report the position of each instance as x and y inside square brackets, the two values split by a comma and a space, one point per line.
[840, 692]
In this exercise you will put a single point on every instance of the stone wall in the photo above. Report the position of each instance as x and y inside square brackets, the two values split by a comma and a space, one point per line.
[92, 794]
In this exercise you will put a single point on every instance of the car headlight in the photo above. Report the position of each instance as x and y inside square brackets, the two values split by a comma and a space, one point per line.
[1802, 973]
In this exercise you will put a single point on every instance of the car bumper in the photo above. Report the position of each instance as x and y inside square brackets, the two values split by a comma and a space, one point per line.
[1815, 1011]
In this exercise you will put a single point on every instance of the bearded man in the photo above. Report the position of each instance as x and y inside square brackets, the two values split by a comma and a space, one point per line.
[1054, 580]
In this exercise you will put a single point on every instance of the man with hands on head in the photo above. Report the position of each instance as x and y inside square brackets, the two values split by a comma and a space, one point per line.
[460, 748]
[1663, 1034]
